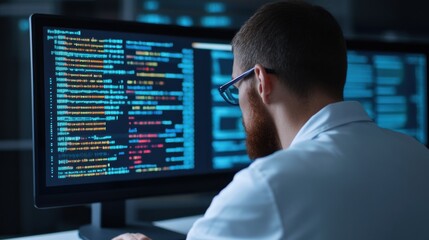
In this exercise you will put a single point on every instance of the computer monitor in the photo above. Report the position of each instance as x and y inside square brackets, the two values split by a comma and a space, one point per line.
[123, 110]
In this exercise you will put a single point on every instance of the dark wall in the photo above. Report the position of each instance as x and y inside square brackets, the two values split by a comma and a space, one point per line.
[408, 18]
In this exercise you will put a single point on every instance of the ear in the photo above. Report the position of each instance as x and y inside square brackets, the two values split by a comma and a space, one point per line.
[264, 83]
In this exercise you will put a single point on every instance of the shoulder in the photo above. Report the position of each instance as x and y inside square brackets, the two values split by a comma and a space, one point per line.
[299, 159]
[245, 209]
[307, 167]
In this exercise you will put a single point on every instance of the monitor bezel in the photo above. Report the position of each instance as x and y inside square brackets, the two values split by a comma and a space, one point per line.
[58, 196]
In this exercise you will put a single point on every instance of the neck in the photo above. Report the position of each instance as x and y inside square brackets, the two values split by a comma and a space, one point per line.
[291, 114]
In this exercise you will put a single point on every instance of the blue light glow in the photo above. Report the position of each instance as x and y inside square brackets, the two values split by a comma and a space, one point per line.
[185, 21]
[154, 18]
[23, 25]
[215, 7]
[216, 21]
[151, 5]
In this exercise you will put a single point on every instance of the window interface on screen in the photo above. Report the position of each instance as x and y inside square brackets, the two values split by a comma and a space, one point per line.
[392, 88]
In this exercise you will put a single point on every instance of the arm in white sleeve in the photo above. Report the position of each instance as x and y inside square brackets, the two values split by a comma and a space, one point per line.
[245, 209]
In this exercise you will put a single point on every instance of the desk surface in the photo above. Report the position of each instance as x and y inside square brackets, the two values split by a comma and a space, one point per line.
[67, 235]
[181, 225]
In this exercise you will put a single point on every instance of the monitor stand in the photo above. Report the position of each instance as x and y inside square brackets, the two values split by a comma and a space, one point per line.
[108, 221]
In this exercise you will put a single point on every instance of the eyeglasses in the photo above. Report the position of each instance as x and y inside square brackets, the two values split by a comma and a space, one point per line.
[229, 91]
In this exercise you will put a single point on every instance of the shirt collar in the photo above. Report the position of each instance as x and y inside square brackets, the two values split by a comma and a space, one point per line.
[331, 116]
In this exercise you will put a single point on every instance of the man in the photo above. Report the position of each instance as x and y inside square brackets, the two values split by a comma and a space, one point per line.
[322, 168]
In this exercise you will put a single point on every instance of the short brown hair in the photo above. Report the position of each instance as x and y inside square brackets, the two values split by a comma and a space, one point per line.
[303, 43]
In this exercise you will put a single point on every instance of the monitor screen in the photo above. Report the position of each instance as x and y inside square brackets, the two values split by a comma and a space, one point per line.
[390, 80]
[125, 110]
[124, 105]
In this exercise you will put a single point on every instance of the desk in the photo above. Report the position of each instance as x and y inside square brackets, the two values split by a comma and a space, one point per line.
[67, 235]
[181, 225]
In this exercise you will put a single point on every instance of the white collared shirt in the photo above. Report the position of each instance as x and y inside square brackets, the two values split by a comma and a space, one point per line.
[341, 178]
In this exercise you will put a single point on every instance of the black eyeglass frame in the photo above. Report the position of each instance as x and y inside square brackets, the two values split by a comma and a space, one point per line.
[224, 87]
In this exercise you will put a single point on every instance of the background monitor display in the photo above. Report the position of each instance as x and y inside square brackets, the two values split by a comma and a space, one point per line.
[392, 86]
[388, 79]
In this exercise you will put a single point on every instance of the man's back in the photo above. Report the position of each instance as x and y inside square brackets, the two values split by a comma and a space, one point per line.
[361, 180]
[342, 178]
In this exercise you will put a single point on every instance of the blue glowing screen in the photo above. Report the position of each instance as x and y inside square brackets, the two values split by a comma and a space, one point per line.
[121, 106]
[390, 85]
[392, 88]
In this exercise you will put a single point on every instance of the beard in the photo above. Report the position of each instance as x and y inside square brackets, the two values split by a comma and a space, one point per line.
[262, 137]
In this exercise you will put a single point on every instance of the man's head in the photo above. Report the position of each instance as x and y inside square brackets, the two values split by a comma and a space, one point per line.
[301, 42]
[305, 47]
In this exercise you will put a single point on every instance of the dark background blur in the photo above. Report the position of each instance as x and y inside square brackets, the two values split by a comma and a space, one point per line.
[384, 19]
